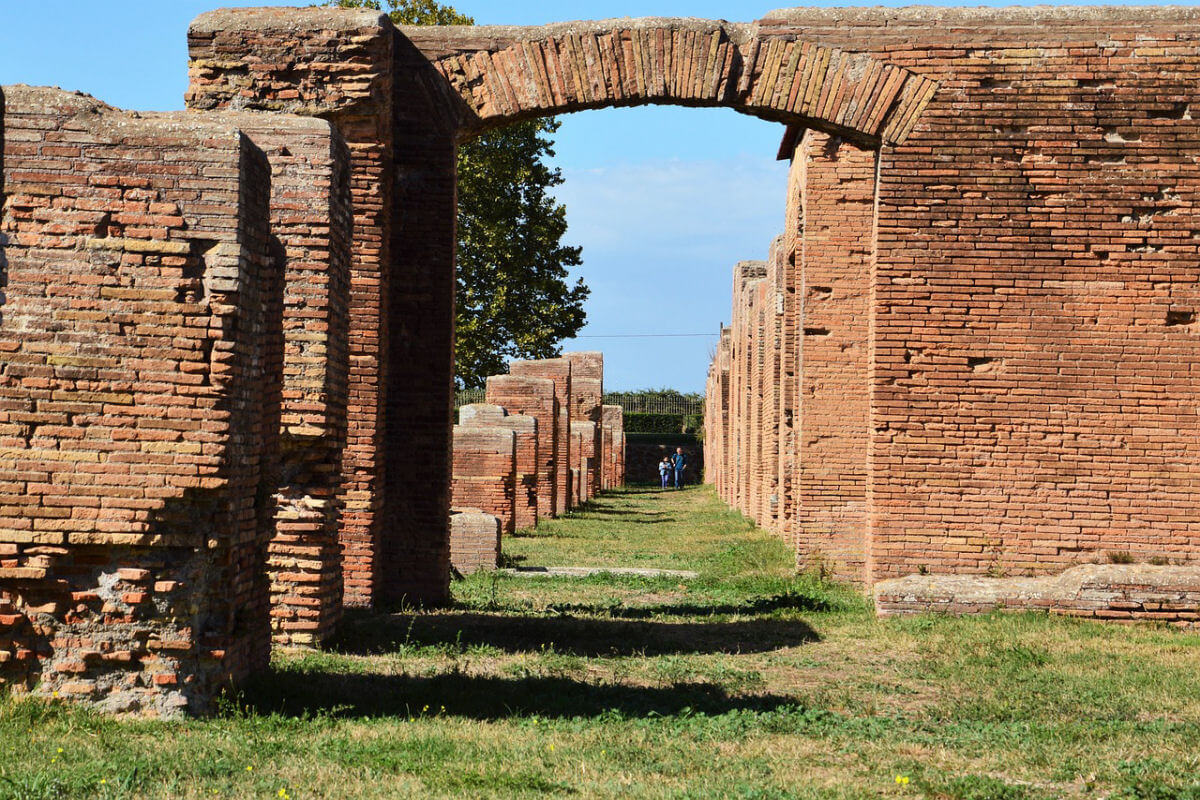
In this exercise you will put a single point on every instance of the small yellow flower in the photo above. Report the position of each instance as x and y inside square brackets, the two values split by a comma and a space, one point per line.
[103, 781]
[249, 768]
[902, 780]
[283, 794]
[60, 749]
[551, 748]
[54, 693]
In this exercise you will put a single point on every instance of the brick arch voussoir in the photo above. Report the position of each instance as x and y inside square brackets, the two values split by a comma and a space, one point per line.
[509, 74]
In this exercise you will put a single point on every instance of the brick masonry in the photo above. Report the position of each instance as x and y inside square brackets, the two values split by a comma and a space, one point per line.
[474, 541]
[533, 397]
[485, 472]
[139, 406]
[557, 370]
[972, 350]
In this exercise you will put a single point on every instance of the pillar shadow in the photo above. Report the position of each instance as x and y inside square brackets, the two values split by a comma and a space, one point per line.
[581, 636]
[305, 693]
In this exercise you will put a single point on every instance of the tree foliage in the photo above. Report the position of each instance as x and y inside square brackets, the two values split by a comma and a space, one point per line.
[514, 296]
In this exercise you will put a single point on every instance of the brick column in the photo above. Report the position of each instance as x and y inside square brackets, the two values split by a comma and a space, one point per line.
[533, 397]
[838, 217]
[525, 428]
[559, 371]
[587, 391]
[484, 476]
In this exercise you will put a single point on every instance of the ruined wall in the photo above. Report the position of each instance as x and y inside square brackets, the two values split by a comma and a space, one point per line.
[837, 194]
[587, 391]
[557, 370]
[585, 458]
[533, 397]
[525, 429]
[139, 404]
[485, 472]
[348, 66]
[474, 541]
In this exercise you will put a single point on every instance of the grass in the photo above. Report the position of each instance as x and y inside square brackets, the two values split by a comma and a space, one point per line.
[746, 682]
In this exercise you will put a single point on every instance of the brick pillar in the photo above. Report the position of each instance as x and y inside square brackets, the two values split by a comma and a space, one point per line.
[474, 541]
[311, 225]
[587, 391]
[838, 217]
[140, 372]
[559, 371]
[484, 476]
[586, 460]
[533, 397]
[353, 52]
[525, 428]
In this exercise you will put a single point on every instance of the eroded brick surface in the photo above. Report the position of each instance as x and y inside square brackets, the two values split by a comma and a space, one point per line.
[139, 404]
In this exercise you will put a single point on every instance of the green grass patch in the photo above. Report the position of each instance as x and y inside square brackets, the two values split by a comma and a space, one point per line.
[747, 681]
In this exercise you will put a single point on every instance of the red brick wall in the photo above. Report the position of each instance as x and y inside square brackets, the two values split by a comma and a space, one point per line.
[525, 428]
[559, 371]
[587, 390]
[485, 472]
[533, 397]
[838, 190]
[585, 458]
[139, 403]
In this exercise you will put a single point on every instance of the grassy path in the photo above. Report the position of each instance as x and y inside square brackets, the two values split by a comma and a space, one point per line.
[746, 682]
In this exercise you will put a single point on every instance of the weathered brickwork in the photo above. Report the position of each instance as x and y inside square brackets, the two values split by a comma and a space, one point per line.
[525, 428]
[613, 446]
[557, 370]
[227, 337]
[485, 472]
[587, 392]
[474, 541]
[585, 457]
[139, 403]
[1111, 592]
[533, 397]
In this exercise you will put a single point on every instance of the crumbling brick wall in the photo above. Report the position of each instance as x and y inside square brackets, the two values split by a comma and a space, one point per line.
[474, 541]
[533, 397]
[557, 370]
[139, 403]
[485, 472]
[525, 429]
[587, 390]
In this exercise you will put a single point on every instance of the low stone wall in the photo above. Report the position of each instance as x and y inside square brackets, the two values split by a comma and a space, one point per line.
[474, 541]
[1113, 592]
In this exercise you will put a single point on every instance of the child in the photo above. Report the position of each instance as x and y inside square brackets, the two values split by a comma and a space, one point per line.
[664, 471]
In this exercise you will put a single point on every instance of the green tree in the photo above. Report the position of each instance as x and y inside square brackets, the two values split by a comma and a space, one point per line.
[514, 297]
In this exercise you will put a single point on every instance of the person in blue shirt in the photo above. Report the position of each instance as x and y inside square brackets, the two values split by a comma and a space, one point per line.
[664, 471]
[679, 462]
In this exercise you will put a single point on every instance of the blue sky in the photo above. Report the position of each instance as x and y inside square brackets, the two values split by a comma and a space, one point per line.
[663, 200]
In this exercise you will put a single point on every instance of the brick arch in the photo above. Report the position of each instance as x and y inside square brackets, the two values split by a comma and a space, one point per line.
[506, 74]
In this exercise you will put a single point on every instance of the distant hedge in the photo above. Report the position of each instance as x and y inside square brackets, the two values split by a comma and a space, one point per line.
[638, 422]
[668, 439]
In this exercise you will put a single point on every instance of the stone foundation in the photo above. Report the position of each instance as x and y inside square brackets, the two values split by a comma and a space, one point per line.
[1111, 592]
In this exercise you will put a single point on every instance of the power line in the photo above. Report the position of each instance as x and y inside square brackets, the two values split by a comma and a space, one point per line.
[645, 335]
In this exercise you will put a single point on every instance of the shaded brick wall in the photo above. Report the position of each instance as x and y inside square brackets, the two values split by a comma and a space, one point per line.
[585, 459]
[139, 403]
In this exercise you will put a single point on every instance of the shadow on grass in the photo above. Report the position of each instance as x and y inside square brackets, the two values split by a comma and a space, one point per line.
[306, 692]
[580, 636]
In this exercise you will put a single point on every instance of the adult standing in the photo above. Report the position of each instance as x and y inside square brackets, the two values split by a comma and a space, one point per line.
[679, 462]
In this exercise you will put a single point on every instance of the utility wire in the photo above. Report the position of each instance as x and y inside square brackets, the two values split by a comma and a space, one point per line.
[645, 335]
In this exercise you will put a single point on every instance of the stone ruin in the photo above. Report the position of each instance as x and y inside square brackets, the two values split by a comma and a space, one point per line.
[226, 338]
[507, 452]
